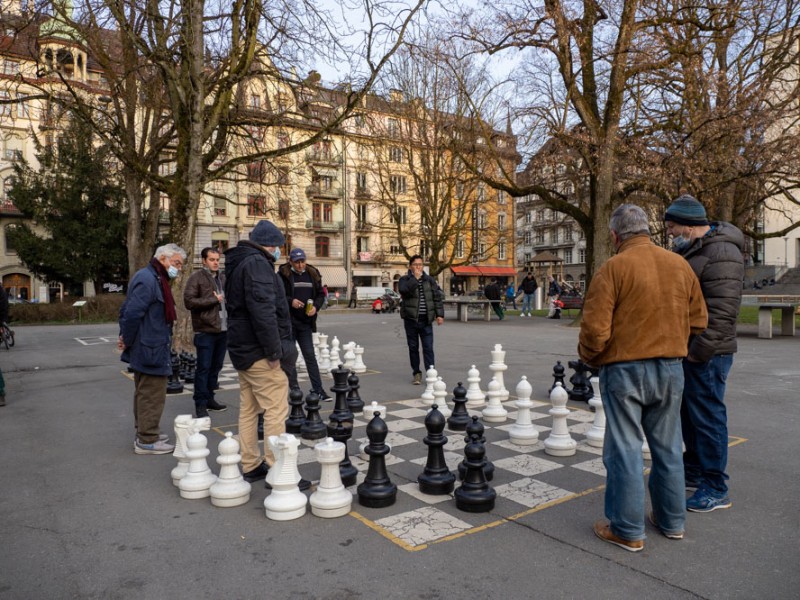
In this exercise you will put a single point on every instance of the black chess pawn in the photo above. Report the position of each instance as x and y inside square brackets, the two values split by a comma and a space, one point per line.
[475, 495]
[436, 479]
[558, 376]
[297, 417]
[354, 401]
[191, 367]
[377, 490]
[174, 385]
[459, 418]
[582, 389]
[476, 428]
[313, 428]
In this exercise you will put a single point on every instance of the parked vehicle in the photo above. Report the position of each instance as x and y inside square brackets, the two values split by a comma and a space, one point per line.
[373, 293]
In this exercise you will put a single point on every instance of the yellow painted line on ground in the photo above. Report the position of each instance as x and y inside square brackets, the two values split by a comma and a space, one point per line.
[387, 534]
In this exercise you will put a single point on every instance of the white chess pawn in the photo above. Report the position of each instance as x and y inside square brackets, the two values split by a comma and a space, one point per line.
[430, 379]
[440, 397]
[335, 358]
[559, 442]
[475, 396]
[369, 412]
[358, 364]
[349, 356]
[286, 502]
[230, 488]
[315, 343]
[498, 367]
[494, 411]
[301, 361]
[199, 478]
[324, 359]
[597, 432]
[182, 433]
[330, 499]
[522, 432]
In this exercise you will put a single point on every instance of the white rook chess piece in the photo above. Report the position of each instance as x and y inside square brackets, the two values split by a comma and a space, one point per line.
[358, 365]
[230, 488]
[301, 362]
[498, 367]
[185, 426]
[349, 356]
[430, 379]
[199, 478]
[522, 432]
[330, 499]
[475, 396]
[286, 502]
[440, 397]
[494, 412]
[559, 442]
[335, 358]
[597, 432]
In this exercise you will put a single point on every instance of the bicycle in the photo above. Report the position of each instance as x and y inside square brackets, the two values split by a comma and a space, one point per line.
[7, 335]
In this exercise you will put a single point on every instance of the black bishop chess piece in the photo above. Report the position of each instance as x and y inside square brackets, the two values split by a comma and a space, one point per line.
[558, 376]
[354, 400]
[436, 479]
[475, 495]
[174, 385]
[459, 418]
[476, 428]
[313, 428]
[581, 387]
[191, 368]
[294, 423]
[377, 490]
[340, 424]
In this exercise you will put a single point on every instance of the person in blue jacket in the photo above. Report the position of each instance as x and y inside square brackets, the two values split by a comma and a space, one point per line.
[145, 331]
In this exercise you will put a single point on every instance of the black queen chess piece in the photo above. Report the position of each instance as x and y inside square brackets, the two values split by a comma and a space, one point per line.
[436, 479]
[377, 490]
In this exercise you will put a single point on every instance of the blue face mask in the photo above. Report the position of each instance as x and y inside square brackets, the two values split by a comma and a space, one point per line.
[172, 272]
[277, 254]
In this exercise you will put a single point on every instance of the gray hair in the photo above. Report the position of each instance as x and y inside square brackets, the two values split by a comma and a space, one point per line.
[169, 250]
[629, 220]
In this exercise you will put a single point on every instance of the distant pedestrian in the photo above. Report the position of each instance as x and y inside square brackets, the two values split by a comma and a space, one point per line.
[511, 295]
[492, 292]
[353, 297]
[145, 331]
[528, 288]
[553, 292]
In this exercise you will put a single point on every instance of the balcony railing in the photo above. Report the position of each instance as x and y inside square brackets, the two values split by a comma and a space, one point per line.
[323, 157]
[324, 225]
[363, 226]
[317, 191]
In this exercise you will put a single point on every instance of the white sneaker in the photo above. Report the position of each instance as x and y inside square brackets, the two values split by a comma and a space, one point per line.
[521, 314]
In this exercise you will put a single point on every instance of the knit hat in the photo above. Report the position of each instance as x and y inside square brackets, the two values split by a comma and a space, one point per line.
[297, 254]
[686, 210]
[266, 234]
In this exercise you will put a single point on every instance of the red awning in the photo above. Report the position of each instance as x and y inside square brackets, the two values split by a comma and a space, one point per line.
[476, 271]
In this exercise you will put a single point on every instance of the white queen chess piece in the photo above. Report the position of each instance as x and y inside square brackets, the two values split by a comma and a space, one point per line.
[230, 489]
[498, 367]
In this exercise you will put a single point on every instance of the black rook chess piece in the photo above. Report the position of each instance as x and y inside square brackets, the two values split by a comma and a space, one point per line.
[436, 479]
[377, 490]
[313, 428]
[354, 401]
[459, 419]
[582, 388]
[476, 428]
[475, 494]
[297, 417]
[558, 376]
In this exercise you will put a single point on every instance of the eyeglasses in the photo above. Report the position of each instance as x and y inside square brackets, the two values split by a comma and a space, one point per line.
[416, 264]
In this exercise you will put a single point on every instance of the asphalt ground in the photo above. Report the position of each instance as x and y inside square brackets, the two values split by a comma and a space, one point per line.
[82, 516]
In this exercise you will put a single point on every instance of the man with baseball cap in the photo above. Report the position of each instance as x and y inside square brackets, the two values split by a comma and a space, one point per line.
[304, 294]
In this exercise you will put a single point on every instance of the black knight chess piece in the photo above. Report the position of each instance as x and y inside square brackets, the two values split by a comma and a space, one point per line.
[294, 423]
[313, 428]
[476, 428]
[459, 419]
[354, 401]
[558, 376]
[475, 495]
[436, 479]
[377, 490]
[581, 387]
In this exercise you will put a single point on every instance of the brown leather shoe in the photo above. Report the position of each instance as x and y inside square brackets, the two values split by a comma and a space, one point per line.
[602, 529]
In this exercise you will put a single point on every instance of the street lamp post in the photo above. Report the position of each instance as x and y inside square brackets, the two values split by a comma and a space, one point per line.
[786, 251]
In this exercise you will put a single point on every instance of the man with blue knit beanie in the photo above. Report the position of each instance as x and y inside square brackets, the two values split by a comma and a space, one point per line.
[714, 251]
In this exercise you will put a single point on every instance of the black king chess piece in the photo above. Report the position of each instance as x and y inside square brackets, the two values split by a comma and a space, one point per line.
[475, 494]
[354, 401]
[377, 490]
[313, 428]
[558, 376]
[294, 423]
[340, 425]
[581, 387]
[436, 479]
[459, 418]
[476, 428]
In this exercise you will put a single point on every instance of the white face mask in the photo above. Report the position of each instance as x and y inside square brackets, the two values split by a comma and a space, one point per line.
[172, 271]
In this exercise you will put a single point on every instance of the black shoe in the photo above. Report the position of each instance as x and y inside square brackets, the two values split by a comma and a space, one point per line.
[257, 474]
[216, 406]
[303, 485]
[201, 412]
[323, 397]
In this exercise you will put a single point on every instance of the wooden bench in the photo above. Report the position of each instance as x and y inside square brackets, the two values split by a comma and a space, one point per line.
[463, 306]
[765, 319]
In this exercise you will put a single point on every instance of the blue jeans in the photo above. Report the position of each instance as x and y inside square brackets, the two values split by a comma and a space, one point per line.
[210, 358]
[512, 300]
[302, 333]
[417, 331]
[705, 421]
[643, 394]
[527, 303]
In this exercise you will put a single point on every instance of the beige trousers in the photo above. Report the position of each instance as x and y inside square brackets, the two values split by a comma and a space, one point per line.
[261, 389]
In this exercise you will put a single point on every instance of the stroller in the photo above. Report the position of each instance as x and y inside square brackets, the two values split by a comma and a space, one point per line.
[388, 304]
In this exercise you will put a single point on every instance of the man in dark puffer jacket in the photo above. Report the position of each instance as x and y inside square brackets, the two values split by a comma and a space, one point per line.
[714, 251]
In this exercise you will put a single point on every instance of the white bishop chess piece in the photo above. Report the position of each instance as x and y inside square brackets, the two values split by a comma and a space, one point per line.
[522, 432]
[559, 442]
[494, 411]
[475, 396]
[230, 488]
[440, 397]
[430, 379]
[335, 357]
[199, 478]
